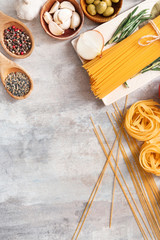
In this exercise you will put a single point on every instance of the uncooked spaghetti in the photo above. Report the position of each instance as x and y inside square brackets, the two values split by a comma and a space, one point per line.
[122, 61]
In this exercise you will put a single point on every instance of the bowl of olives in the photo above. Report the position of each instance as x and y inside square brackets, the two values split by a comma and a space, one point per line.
[101, 10]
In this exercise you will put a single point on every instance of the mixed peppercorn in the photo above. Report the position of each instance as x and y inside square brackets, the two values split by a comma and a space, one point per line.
[17, 41]
[17, 83]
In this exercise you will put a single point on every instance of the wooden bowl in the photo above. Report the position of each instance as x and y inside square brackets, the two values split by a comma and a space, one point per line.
[7, 21]
[69, 33]
[100, 18]
[6, 67]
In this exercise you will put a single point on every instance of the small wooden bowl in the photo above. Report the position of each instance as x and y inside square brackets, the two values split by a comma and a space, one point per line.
[7, 21]
[6, 67]
[69, 33]
[100, 18]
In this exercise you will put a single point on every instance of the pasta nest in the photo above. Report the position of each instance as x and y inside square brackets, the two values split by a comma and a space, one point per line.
[149, 157]
[142, 120]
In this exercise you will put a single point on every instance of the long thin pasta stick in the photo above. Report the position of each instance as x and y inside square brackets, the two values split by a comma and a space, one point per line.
[153, 220]
[126, 184]
[114, 184]
[141, 192]
[143, 175]
[131, 207]
[150, 179]
[93, 194]
[143, 199]
[151, 189]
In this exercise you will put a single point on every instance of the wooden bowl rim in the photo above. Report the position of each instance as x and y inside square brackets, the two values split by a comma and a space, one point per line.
[98, 18]
[60, 37]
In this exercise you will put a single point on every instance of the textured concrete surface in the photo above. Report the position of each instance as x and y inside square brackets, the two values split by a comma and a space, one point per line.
[49, 156]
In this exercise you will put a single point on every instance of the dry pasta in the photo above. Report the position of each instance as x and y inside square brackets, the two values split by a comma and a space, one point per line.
[149, 157]
[122, 61]
[142, 120]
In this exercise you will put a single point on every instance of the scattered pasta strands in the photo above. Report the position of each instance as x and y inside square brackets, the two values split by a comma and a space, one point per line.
[96, 187]
[114, 185]
[141, 180]
[142, 120]
[149, 157]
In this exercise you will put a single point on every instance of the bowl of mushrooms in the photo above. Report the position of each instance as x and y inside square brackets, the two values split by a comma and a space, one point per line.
[61, 19]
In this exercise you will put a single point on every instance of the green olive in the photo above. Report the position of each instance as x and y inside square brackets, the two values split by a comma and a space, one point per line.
[91, 9]
[115, 1]
[101, 7]
[109, 11]
[89, 1]
[96, 2]
[108, 2]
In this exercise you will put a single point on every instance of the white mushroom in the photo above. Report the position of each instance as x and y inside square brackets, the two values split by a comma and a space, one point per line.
[47, 17]
[54, 8]
[66, 24]
[75, 20]
[64, 15]
[55, 29]
[68, 5]
[55, 17]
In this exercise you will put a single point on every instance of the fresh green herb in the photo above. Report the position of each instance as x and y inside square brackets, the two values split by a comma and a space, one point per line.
[129, 25]
[155, 66]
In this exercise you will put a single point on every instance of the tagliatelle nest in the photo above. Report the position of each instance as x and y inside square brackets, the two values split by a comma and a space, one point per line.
[149, 157]
[142, 120]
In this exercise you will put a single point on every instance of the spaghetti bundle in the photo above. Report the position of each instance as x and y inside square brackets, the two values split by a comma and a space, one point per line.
[122, 61]
[142, 120]
[150, 157]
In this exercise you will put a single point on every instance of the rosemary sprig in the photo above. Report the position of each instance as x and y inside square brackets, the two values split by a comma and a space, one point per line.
[129, 25]
[154, 66]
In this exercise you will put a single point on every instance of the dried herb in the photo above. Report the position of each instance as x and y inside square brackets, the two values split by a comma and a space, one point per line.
[17, 83]
[129, 25]
[17, 41]
[154, 66]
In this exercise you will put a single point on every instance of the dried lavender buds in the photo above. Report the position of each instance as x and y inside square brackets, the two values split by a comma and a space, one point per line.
[18, 84]
[17, 41]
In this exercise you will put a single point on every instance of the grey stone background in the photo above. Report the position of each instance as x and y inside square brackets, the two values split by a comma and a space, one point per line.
[49, 156]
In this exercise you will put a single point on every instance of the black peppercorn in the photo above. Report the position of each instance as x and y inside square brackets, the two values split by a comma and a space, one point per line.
[17, 41]
[18, 84]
